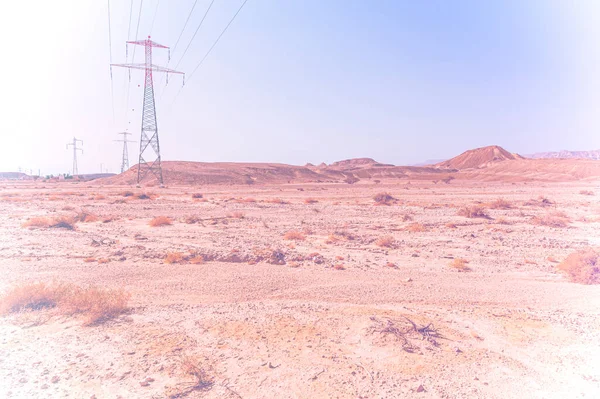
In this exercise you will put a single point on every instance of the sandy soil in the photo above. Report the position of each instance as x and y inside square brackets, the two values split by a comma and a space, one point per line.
[267, 317]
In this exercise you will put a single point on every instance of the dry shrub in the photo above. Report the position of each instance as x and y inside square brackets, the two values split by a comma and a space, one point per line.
[392, 265]
[247, 200]
[331, 239]
[552, 219]
[294, 235]
[386, 242]
[416, 228]
[127, 194]
[530, 262]
[339, 266]
[582, 266]
[191, 219]
[236, 215]
[197, 196]
[384, 199]
[540, 201]
[501, 203]
[586, 192]
[103, 260]
[407, 217]
[86, 217]
[310, 201]
[502, 220]
[450, 225]
[59, 222]
[460, 264]
[98, 305]
[89, 260]
[473, 211]
[98, 197]
[143, 196]
[161, 221]
[196, 259]
[202, 380]
[277, 201]
[176, 257]
[68, 208]
[43, 222]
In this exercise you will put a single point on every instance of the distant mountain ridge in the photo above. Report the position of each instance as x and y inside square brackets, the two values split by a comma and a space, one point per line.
[565, 154]
[478, 158]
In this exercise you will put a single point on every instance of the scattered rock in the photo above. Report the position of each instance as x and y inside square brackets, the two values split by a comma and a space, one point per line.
[420, 389]
[55, 379]
[408, 280]
[144, 383]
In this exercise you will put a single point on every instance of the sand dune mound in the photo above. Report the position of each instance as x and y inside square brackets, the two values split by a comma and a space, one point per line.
[479, 158]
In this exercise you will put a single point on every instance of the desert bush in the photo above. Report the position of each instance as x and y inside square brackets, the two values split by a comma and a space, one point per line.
[450, 225]
[59, 222]
[247, 200]
[540, 201]
[161, 221]
[196, 259]
[310, 201]
[127, 194]
[460, 264]
[103, 260]
[552, 219]
[331, 239]
[202, 379]
[386, 242]
[407, 217]
[383, 199]
[86, 217]
[339, 266]
[277, 201]
[89, 260]
[294, 235]
[502, 220]
[582, 266]
[175, 257]
[501, 203]
[351, 180]
[143, 196]
[197, 196]
[236, 215]
[586, 192]
[191, 219]
[416, 228]
[473, 211]
[98, 305]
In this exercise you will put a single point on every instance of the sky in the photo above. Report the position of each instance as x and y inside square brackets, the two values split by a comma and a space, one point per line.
[399, 81]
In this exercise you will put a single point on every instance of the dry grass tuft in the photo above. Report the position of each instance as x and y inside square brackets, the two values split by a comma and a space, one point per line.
[502, 220]
[386, 242]
[582, 266]
[339, 266]
[586, 192]
[384, 199]
[450, 225]
[86, 217]
[59, 222]
[416, 228]
[103, 260]
[236, 215]
[460, 264]
[332, 239]
[202, 380]
[98, 305]
[127, 194]
[501, 203]
[196, 259]
[473, 211]
[294, 235]
[197, 196]
[176, 257]
[143, 196]
[541, 201]
[161, 221]
[310, 201]
[552, 219]
[89, 260]
[277, 201]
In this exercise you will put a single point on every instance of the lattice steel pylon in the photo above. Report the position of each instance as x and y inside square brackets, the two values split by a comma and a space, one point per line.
[149, 136]
[125, 157]
[74, 144]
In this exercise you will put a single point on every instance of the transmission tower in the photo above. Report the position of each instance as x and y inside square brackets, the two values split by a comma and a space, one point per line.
[125, 158]
[149, 144]
[75, 149]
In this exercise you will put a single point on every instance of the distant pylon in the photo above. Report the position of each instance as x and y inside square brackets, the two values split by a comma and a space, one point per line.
[125, 158]
[74, 144]
[149, 134]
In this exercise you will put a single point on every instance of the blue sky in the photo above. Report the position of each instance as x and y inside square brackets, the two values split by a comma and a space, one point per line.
[303, 81]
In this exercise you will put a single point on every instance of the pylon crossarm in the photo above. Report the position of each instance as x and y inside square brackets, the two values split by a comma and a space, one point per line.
[148, 43]
[153, 68]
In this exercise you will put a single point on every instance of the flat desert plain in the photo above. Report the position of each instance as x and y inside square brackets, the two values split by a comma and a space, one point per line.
[299, 291]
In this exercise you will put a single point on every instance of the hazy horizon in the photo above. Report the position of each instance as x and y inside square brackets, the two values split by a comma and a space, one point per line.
[299, 82]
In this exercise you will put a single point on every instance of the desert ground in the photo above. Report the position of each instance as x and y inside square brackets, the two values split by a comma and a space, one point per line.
[310, 290]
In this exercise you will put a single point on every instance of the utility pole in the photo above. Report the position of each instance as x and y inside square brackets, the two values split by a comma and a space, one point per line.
[149, 134]
[75, 148]
[125, 158]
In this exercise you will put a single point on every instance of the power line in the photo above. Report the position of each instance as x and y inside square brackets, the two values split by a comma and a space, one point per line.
[211, 47]
[197, 29]
[112, 95]
[133, 58]
[129, 28]
[184, 26]
[217, 41]
[189, 44]
[154, 17]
